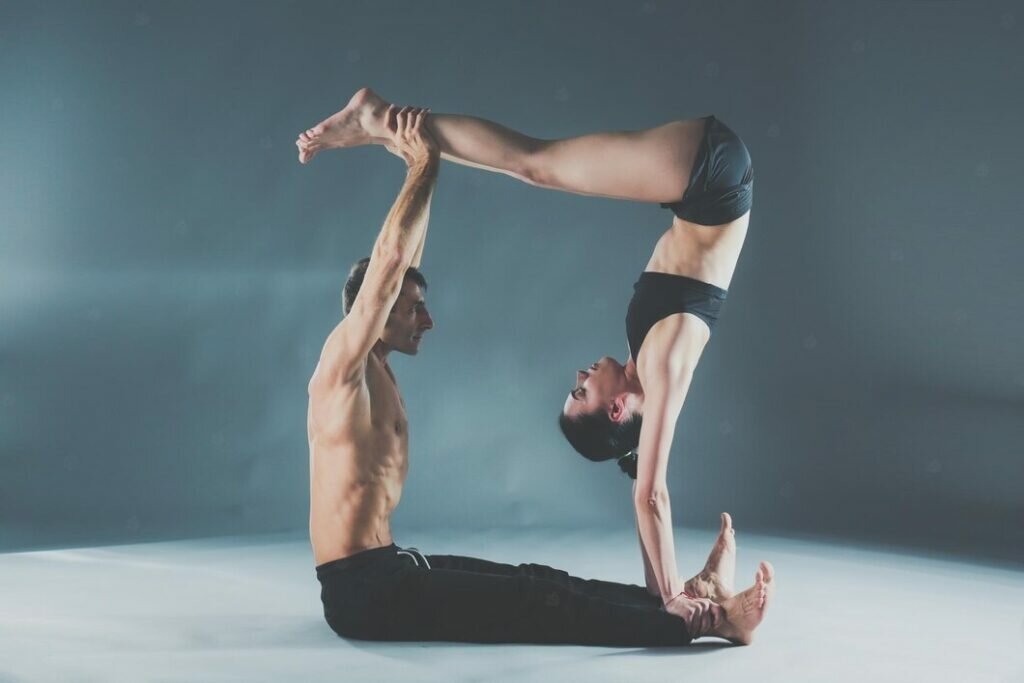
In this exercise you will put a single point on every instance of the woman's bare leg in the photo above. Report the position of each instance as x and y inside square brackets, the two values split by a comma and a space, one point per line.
[650, 165]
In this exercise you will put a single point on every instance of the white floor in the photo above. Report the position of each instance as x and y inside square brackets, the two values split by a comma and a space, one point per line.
[248, 610]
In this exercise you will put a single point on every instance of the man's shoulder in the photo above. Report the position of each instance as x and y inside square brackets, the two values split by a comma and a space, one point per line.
[338, 405]
[326, 382]
[371, 388]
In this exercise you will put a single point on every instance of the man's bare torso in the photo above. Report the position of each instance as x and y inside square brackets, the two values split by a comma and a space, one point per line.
[358, 461]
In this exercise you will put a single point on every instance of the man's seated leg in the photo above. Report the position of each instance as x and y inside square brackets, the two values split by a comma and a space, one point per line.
[621, 593]
[383, 595]
[444, 604]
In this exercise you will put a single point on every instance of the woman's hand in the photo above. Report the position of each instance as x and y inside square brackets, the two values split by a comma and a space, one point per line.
[698, 613]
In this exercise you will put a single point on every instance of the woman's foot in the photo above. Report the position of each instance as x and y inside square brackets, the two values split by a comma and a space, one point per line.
[363, 121]
[718, 577]
[742, 613]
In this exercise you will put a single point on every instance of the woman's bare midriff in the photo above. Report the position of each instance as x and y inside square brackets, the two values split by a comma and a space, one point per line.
[702, 252]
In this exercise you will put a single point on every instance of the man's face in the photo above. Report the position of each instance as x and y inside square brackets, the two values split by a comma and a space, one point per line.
[595, 387]
[408, 320]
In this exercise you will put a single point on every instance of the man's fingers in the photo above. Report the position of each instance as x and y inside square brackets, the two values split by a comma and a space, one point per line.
[408, 120]
[389, 116]
[411, 116]
[410, 112]
[403, 121]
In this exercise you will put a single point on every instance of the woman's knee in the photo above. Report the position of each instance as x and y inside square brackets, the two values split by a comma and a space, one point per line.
[536, 165]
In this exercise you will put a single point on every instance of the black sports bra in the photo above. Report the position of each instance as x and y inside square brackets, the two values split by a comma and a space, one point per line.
[659, 295]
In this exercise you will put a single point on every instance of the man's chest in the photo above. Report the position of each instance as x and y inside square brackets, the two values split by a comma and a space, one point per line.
[387, 409]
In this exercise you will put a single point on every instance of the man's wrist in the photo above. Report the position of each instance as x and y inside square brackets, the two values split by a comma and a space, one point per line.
[427, 166]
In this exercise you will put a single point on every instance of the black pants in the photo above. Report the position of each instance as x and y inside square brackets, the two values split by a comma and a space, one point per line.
[390, 593]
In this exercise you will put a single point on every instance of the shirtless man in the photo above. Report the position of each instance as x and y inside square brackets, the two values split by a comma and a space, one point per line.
[357, 428]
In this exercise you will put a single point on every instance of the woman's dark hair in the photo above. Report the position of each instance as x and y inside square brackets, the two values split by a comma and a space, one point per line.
[597, 438]
[358, 273]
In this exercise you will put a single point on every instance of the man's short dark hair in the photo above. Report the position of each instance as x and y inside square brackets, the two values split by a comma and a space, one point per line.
[355, 281]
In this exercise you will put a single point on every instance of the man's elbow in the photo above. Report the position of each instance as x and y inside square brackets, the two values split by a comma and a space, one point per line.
[393, 256]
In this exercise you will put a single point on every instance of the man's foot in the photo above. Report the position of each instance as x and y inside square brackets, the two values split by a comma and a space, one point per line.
[363, 121]
[718, 577]
[742, 613]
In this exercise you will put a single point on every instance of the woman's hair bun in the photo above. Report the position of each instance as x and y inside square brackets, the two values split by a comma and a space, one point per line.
[627, 463]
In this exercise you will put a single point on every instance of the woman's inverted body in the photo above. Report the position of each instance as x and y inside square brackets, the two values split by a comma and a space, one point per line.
[701, 171]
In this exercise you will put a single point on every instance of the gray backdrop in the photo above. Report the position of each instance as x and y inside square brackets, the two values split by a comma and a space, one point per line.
[168, 271]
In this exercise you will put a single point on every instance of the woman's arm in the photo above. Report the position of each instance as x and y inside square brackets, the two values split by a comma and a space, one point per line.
[666, 373]
[651, 501]
[650, 579]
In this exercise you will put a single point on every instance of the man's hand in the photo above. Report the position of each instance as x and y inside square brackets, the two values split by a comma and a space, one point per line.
[410, 138]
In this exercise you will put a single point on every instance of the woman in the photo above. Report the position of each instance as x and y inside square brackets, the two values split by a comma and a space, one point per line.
[700, 170]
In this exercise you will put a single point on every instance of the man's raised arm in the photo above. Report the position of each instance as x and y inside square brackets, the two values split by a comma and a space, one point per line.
[343, 358]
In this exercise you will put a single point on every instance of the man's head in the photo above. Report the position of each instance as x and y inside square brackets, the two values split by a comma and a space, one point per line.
[601, 417]
[408, 319]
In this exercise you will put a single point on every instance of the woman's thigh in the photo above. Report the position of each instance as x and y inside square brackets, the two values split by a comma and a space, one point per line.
[652, 165]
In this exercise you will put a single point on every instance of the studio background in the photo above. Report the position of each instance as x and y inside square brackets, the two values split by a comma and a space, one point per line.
[168, 271]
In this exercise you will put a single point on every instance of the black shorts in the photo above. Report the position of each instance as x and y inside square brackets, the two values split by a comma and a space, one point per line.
[722, 179]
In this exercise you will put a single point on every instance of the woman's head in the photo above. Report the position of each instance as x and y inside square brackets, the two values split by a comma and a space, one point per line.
[601, 417]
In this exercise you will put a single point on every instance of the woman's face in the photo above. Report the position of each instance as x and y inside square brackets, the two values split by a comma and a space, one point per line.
[595, 387]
